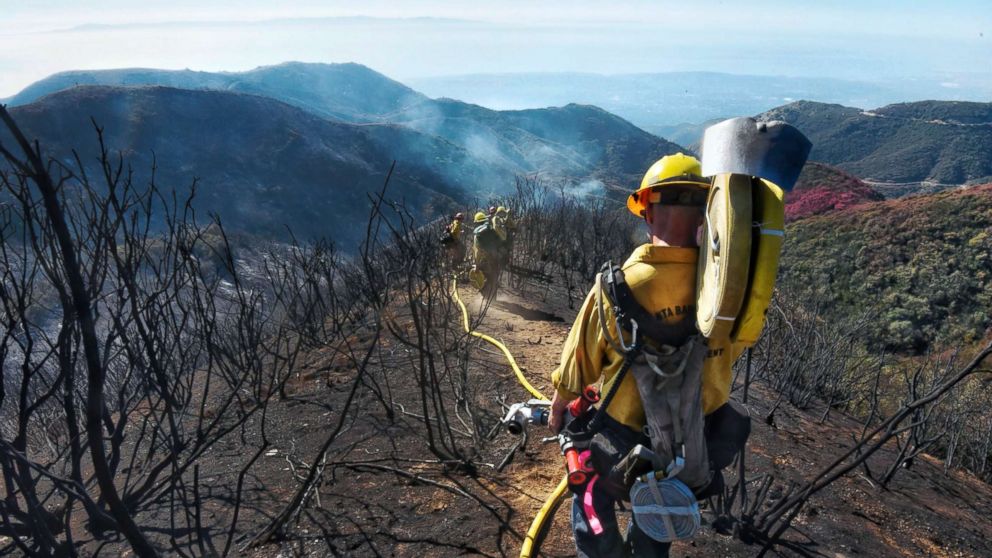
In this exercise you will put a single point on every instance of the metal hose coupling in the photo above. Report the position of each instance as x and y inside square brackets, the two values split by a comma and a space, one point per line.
[535, 411]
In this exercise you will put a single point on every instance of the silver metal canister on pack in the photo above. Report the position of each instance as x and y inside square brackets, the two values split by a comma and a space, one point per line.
[775, 151]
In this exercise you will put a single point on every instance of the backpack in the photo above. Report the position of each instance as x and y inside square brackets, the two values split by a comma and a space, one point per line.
[668, 374]
[738, 258]
[768, 233]
[724, 255]
[679, 461]
[486, 238]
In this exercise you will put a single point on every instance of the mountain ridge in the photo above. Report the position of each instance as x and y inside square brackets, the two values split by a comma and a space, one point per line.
[256, 158]
[355, 93]
[963, 113]
[235, 142]
[263, 80]
[884, 146]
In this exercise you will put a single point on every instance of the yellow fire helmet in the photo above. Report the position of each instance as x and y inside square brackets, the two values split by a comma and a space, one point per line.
[677, 169]
[502, 209]
[480, 217]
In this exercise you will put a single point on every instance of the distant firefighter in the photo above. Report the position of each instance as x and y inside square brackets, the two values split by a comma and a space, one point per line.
[505, 227]
[485, 253]
[454, 245]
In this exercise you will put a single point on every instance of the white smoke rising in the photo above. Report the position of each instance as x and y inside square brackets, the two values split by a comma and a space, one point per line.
[588, 188]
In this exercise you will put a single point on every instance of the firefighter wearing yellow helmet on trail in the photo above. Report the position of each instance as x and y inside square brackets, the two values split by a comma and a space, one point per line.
[662, 277]
[486, 241]
[506, 229]
[452, 242]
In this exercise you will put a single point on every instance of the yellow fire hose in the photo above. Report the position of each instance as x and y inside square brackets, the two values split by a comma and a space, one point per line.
[542, 521]
[497, 343]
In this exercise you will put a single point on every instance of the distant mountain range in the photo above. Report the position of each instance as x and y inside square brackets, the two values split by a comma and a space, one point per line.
[914, 147]
[658, 101]
[264, 163]
[303, 144]
[908, 147]
[575, 143]
[348, 92]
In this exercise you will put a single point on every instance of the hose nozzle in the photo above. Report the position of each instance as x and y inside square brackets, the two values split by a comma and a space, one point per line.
[535, 411]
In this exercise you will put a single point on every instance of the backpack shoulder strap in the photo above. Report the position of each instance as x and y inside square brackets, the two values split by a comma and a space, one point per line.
[628, 310]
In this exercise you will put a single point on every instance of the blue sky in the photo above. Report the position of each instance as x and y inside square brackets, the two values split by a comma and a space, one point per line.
[949, 42]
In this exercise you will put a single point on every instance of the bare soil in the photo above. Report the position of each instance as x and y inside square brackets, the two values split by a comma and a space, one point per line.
[384, 494]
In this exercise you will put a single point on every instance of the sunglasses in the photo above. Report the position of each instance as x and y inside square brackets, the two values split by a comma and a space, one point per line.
[679, 196]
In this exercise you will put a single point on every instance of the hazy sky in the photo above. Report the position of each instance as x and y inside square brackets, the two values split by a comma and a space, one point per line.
[949, 41]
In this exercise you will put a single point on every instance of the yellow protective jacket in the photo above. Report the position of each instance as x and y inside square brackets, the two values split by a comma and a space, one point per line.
[455, 230]
[499, 226]
[663, 280]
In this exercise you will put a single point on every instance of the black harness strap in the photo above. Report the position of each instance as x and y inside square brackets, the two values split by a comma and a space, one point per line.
[628, 361]
[640, 324]
[627, 310]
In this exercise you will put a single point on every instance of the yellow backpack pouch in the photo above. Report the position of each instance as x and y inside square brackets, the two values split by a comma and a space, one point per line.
[768, 234]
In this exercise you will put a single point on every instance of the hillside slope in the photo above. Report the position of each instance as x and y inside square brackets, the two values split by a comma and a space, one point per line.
[399, 410]
[574, 143]
[924, 512]
[921, 265]
[822, 188]
[261, 164]
[938, 142]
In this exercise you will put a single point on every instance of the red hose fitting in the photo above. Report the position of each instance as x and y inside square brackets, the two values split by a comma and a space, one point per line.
[577, 474]
[580, 405]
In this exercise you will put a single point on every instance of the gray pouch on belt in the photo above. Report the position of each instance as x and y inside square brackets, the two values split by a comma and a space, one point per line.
[669, 381]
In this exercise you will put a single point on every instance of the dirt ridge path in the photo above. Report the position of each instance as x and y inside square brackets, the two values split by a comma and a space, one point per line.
[924, 512]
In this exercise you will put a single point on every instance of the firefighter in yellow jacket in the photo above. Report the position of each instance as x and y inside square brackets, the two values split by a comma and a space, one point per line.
[662, 276]
[484, 274]
[506, 229]
[454, 246]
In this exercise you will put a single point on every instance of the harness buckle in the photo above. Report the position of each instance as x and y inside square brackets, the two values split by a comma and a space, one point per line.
[634, 342]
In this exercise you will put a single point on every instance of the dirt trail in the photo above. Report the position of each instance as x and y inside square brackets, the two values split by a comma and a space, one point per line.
[533, 330]
[383, 494]
[924, 512]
